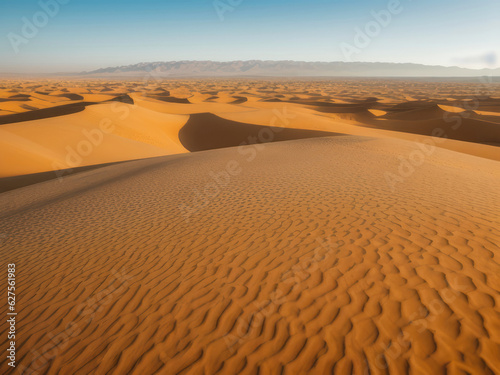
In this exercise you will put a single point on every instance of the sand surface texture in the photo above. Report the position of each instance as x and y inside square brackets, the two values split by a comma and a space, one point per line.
[267, 227]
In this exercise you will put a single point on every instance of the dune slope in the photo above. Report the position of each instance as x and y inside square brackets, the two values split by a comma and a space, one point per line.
[206, 131]
[100, 133]
[294, 257]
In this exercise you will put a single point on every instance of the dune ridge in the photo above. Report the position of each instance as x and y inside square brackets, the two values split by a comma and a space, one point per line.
[441, 113]
[252, 226]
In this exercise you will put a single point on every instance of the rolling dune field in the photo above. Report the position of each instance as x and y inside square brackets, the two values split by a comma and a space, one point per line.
[252, 226]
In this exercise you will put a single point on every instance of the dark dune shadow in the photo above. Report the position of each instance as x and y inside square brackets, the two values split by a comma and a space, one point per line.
[161, 92]
[495, 119]
[453, 127]
[271, 100]
[325, 107]
[19, 96]
[122, 99]
[419, 112]
[61, 110]
[355, 110]
[206, 131]
[370, 100]
[325, 104]
[170, 99]
[71, 96]
[414, 104]
[29, 107]
[239, 100]
[14, 100]
[16, 182]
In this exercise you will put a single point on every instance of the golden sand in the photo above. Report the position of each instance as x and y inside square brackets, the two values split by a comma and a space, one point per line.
[309, 229]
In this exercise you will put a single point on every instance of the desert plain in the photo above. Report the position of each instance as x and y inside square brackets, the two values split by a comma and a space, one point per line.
[252, 226]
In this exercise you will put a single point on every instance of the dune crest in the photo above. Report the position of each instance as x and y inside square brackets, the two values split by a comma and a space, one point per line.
[147, 126]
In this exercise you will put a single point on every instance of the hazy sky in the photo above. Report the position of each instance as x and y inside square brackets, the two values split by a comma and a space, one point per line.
[91, 34]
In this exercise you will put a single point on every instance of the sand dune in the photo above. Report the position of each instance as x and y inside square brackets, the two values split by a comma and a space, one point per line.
[185, 108]
[206, 131]
[16, 182]
[297, 117]
[252, 226]
[419, 112]
[455, 127]
[301, 260]
[100, 133]
[37, 114]
[371, 112]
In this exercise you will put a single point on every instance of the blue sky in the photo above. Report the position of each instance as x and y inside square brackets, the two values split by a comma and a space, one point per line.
[90, 34]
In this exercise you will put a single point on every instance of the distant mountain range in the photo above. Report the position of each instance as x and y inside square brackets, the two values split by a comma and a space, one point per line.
[258, 68]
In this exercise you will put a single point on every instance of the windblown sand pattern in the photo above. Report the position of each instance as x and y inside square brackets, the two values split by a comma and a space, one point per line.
[291, 257]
